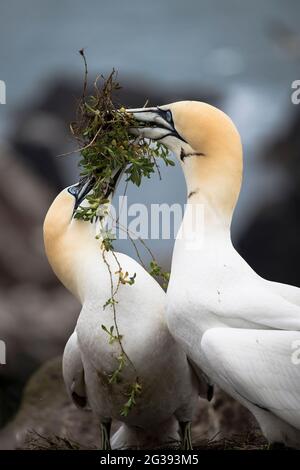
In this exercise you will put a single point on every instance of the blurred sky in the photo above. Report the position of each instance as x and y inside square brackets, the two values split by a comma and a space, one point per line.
[248, 51]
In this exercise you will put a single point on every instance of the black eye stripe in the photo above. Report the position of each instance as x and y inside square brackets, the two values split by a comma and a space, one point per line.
[166, 114]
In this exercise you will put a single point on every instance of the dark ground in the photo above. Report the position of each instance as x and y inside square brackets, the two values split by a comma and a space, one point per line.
[48, 420]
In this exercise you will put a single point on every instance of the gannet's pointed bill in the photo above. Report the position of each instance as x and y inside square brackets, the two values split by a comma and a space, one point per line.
[81, 189]
[85, 185]
[158, 123]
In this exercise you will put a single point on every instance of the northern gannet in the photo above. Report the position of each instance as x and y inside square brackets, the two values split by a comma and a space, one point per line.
[169, 387]
[239, 328]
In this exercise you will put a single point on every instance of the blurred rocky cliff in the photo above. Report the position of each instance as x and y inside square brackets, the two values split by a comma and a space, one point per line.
[37, 314]
[270, 243]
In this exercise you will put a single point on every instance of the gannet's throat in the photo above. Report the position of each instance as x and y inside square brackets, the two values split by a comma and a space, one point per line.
[213, 183]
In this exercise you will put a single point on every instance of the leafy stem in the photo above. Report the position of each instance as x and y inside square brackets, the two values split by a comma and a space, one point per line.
[108, 149]
[134, 391]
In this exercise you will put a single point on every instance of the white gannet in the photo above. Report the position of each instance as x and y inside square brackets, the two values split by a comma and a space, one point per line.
[239, 328]
[169, 387]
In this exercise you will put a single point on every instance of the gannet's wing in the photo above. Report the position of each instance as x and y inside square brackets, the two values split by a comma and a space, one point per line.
[257, 304]
[261, 366]
[73, 372]
[288, 292]
[205, 386]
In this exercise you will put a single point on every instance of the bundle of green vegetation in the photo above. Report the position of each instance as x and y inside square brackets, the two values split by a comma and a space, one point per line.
[107, 147]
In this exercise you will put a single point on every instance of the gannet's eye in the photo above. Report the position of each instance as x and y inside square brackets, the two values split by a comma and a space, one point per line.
[74, 189]
[169, 117]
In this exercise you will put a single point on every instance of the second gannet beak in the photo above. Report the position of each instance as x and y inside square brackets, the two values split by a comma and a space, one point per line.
[85, 185]
[156, 123]
[80, 190]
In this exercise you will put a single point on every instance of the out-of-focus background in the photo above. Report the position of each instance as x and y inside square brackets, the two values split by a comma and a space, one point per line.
[240, 56]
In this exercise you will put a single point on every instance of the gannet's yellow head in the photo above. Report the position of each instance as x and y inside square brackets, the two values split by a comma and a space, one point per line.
[205, 141]
[65, 237]
[59, 217]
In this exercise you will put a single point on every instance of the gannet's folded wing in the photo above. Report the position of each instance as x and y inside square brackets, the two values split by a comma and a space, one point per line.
[205, 387]
[288, 292]
[73, 372]
[257, 304]
[261, 366]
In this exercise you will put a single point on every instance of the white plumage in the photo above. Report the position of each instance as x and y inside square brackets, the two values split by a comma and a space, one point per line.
[238, 328]
[256, 367]
[169, 388]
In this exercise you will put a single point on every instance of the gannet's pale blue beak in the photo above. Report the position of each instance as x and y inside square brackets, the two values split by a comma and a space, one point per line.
[81, 189]
[157, 123]
[86, 184]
